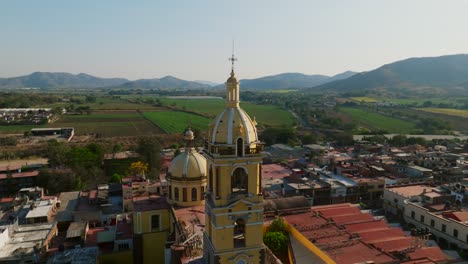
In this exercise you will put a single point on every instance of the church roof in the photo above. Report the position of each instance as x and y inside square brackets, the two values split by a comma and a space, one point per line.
[189, 164]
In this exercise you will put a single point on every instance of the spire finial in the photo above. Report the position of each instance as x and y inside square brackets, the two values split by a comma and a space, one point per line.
[232, 58]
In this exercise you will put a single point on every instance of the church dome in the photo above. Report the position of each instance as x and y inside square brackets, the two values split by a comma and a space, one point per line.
[188, 164]
[231, 124]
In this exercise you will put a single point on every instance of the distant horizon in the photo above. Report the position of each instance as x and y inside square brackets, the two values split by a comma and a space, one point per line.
[192, 40]
[123, 77]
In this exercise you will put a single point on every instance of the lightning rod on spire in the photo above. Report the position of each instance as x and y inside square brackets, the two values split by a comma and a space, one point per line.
[232, 58]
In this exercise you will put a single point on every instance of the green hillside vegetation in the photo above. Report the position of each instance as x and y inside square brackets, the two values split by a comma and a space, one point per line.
[444, 75]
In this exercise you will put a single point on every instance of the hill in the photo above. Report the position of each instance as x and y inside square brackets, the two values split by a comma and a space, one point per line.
[444, 75]
[289, 81]
[59, 80]
[207, 83]
[167, 82]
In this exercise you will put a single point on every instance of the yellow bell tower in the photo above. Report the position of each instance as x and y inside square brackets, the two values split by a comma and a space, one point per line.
[233, 207]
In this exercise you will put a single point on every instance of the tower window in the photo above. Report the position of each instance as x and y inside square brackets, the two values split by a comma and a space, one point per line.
[239, 233]
[194, 194]
[155, 222]
[239, 181]
[184, 194]
[176, 194]
[240, 147]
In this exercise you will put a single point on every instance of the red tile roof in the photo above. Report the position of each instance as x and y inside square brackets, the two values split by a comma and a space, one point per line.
[358, 253]
[366, 226]
[382, 235]
[397, 244]
[432, 253]
[459, 216]
[332, 212]
[374, 241]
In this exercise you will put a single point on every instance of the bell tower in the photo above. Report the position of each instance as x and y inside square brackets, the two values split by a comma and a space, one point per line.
[233, 207]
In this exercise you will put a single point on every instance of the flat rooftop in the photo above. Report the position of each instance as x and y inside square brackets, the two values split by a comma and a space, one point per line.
[411, 190]
[68, 204]
[192, 217]
[150, 202]
[275, 171]
[25, 238]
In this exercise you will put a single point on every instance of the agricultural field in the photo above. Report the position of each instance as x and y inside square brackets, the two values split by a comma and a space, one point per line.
[212, 107]
[109, 124]
[373, 120]
[104, 103]
[112, 116]
[457, 123]
[447, 111]
[458, 101]
[364, 99]
[105, 124]
[283, 91]
[17, 129]
[176, 122]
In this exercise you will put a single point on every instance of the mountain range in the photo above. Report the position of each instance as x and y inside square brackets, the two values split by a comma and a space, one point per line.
[47, 80]
[291, 80]
[424, 76]
[427, 75]
[59, 79]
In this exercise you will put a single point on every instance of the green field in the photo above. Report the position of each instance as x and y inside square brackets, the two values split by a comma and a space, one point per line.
[104, 124]
[375, 120]
[212, 107]
[20, 129]
[456, 101]
[364, 99]
[112, 116]
[447, 111]
[177, 122]
[105, 103]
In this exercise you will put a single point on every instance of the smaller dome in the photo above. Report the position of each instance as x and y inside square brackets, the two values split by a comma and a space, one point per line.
[188, 134]
[188, 164]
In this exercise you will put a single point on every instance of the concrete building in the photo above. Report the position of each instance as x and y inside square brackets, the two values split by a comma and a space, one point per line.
[431, 207]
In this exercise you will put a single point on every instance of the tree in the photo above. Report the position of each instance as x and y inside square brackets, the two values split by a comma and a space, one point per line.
[150, 151]
[79, 157]
[139, 168]
[58, 180]
[309, 139]
[277, 225]
[56, 152]
[115, 149]
[116, 178]
[90, 99]
[277, 242]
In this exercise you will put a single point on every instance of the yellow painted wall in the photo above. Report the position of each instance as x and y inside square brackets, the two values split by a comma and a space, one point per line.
[122, 257]
[153, 247]
[154, 241]
[143, 219]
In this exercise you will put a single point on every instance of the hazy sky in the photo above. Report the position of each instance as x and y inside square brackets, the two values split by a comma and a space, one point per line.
[192, 39]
